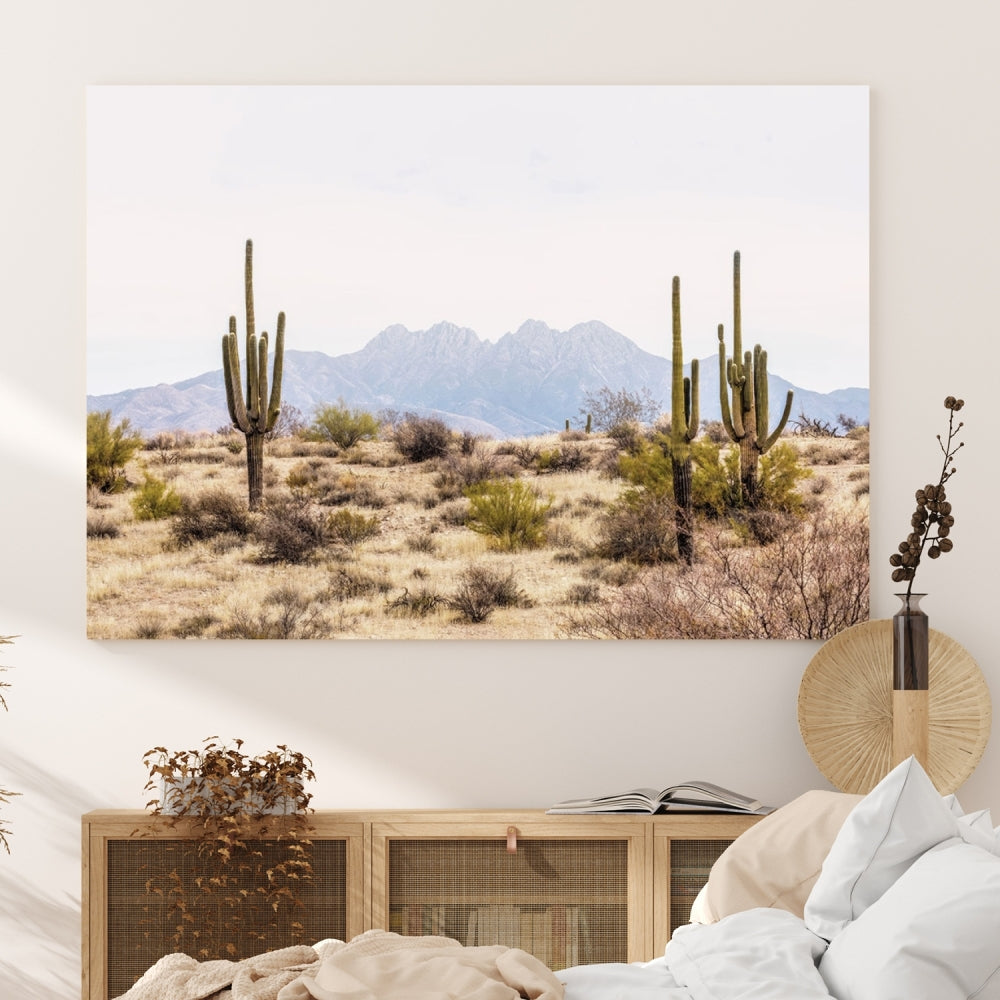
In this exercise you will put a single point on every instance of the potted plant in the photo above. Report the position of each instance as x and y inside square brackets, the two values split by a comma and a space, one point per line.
[230, 881]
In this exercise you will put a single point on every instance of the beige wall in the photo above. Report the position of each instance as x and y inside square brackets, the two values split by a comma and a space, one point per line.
[466, 724]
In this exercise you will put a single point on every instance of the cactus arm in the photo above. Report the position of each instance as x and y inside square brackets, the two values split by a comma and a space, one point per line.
[262, 381]
[678, 407]
[231, 377]
[761, 415]
[274, 404]
[691, 401]
[785, 414]
[733, 429]
[248, 288]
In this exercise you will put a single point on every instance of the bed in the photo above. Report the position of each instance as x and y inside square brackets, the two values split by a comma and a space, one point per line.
[888, 896]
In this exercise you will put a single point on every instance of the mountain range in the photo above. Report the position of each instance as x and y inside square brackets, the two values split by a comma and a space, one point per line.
[528, 382]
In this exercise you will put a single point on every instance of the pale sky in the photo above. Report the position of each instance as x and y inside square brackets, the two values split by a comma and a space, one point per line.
[481, 205]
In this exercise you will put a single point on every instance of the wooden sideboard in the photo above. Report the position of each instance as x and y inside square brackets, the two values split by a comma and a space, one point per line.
[571, 890]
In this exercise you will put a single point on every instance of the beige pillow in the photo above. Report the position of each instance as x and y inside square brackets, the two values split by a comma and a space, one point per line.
[777, 861]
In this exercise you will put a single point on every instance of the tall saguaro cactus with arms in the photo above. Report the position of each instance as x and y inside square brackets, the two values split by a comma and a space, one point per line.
[256, 414]
[744, 375]
[684, 421]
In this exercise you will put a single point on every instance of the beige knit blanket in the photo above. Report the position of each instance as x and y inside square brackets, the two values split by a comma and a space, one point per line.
[376, 965]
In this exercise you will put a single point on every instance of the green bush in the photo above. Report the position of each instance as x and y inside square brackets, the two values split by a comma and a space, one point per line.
[342, 425]
[349, 528]
[109, 449]
[511, 513]
[155, 500]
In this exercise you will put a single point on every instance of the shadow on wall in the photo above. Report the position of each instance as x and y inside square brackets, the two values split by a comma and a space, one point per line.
[41, 929]
[44, 929]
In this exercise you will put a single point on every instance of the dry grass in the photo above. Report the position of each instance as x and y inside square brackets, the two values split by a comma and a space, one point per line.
[399, 583]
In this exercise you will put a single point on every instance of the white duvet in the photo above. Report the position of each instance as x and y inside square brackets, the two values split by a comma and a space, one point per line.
[762, 953]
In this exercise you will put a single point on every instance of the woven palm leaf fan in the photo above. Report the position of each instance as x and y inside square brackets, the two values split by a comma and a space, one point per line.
[845, 709]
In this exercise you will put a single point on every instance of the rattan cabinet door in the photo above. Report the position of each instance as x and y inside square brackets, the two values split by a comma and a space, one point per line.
[133, 868]
[685, 846]
[570, 892]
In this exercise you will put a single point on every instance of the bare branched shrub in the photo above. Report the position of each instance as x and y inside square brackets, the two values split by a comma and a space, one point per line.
[286, 613]
[209, 514]
[523, 452]
[583, 593]
[458, 471]
[481, 589]
[420, 438]
[612, 407]
[418, 604]
[290, 529]
[640, 527]
[347, 583]
[811, 583]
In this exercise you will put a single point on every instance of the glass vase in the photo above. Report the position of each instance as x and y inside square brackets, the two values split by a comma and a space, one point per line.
[910, 645]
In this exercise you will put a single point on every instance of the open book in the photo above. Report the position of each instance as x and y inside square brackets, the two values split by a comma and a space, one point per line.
[691, 796]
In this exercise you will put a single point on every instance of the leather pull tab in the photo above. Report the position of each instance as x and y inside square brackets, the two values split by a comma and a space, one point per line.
[512, 840]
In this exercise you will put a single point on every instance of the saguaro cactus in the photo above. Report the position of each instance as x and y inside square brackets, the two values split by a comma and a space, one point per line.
[745, 376]
[684, 423]
[255, 415]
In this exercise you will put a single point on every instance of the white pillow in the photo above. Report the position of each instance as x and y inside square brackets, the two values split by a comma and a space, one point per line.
[934, 934]
[894, 824]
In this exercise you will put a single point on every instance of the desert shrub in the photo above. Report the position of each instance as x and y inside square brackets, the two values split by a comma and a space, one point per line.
[290, 530]
[458, 471]
[286, 613]
[349, 528]
[194, 626]
[640, 527]
[610, 408]
[155, 500]
[420, 438]
[290, 423]
[481, 589]
[627, 436]
[342, 425]
[569, 458]
[862, 439]
[454, 513]
[207, 515]
[347, 582]
[468, 442]
[510, 513]
[419, 604]
[810, 583]
[424, 542]
[573, 434]
[150, 627]
[524, 453]
[813, 427]
[109, 449]
[235, 445]
[583, 593]
[100, 526]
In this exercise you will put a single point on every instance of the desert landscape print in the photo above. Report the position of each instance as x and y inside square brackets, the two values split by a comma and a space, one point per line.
[477, 362]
